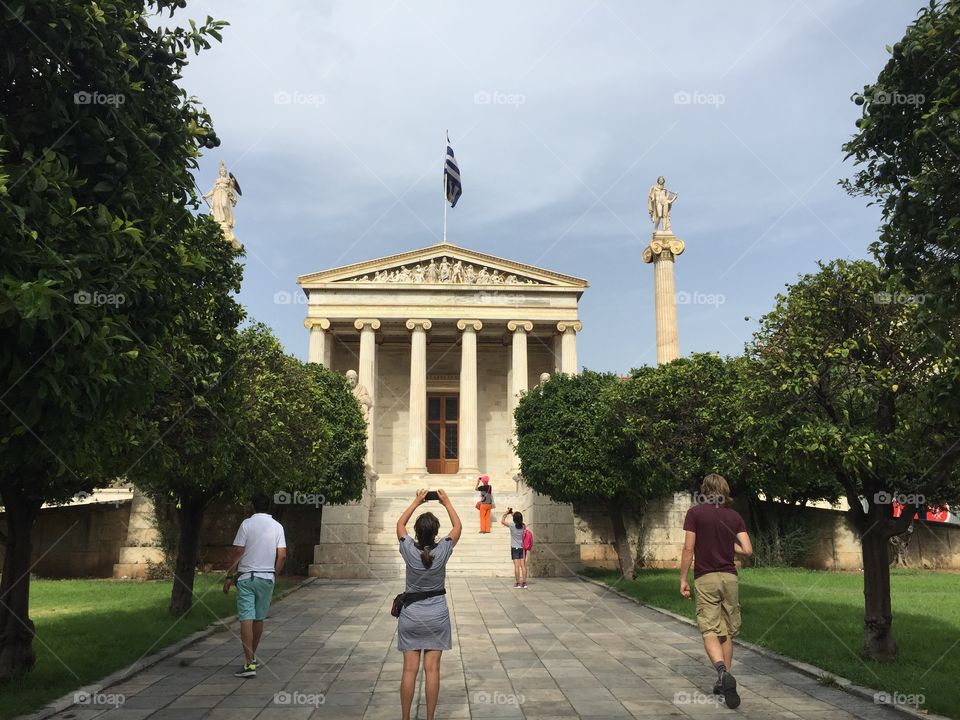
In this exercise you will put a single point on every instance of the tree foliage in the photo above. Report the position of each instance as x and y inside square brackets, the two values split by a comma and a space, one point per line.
[260, 420]
[100, 248]
[907, 149]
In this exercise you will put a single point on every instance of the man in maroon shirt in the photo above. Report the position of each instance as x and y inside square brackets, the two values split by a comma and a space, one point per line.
[713, 533]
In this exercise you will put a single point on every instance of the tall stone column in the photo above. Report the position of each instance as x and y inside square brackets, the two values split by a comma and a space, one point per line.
[416, 437]
[662, 252]
[317, 352]
[568, 346]
[366, 376]
[518, 376]
[469, 447]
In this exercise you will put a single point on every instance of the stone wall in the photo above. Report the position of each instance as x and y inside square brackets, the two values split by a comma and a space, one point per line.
[658, 540]
[77, 541]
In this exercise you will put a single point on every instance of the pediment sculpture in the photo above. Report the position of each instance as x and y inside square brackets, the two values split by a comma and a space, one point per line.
[448, 271]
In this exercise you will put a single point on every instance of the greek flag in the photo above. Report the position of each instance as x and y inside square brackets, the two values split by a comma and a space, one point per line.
[451, 176]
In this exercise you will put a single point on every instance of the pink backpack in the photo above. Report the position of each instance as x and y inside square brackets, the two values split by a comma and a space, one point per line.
[527, 540]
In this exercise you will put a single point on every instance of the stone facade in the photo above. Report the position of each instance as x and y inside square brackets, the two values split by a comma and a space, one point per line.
[440, 325]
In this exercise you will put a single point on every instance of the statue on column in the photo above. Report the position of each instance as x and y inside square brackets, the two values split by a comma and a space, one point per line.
[659, 203]
[222, 198]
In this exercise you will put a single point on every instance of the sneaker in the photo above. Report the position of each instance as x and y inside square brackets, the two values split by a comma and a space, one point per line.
[517, 586]
[728, 686]
[247, 671]
[718, 688]
[524, 586]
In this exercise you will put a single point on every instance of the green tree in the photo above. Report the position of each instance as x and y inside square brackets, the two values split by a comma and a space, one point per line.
[569, 450]
[907, 148]
[841, 408]
[263, 421]
[100, 250]
[680, 421]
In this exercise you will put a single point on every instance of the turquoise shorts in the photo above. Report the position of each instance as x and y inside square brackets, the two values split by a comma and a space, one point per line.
[253, 598]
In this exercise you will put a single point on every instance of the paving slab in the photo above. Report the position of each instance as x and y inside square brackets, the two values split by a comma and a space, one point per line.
[564, 648]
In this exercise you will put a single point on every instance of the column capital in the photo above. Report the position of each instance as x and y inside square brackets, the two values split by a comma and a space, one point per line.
[361, 323]
[663, 246]
[421, 323]
[321, 323]
[474, 325]
[574, 325]
[517, 325]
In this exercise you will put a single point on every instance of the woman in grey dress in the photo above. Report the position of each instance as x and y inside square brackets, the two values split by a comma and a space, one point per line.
[424, 625]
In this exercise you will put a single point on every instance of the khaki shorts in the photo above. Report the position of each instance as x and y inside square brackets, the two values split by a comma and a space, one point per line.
[718, 604]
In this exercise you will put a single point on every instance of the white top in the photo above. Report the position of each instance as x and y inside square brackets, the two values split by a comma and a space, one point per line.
[259, 536]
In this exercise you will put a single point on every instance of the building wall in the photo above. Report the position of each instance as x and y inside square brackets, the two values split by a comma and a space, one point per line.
[443, 359]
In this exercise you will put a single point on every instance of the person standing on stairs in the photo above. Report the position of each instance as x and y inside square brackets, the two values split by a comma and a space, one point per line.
[424, 622]
[517, 553]
[486, 504]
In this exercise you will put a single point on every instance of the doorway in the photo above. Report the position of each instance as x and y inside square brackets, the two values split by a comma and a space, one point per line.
[443, 433]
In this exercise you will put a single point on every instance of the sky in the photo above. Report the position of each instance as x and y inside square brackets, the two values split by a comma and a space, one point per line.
[562, 114]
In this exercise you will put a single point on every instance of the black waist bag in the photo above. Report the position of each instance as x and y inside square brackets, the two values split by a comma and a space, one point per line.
[404, 599]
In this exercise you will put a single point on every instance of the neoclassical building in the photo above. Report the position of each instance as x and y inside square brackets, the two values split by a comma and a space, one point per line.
[440, 342]
[443, 340]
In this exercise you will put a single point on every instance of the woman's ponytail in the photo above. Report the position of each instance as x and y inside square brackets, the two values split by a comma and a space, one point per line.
[426, 528]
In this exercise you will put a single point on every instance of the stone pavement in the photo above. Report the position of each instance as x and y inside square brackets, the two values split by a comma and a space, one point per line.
[563, 648]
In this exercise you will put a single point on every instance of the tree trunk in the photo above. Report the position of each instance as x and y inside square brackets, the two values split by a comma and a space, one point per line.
[878, 642]
[16, 629]
[620, 540]
[190, 516]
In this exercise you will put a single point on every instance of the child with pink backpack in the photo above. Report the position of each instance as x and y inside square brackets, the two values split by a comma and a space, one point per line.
[521, 543]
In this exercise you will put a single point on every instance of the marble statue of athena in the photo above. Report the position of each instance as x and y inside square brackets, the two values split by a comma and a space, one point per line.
[222, 199]
[659, 203]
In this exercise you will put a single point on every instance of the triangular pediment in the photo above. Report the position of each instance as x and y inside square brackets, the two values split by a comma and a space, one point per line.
[443, 264]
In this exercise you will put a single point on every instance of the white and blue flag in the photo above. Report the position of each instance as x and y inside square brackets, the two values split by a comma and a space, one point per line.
[451, 176]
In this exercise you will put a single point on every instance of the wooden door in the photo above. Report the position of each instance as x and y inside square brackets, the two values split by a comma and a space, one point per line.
[443, 433]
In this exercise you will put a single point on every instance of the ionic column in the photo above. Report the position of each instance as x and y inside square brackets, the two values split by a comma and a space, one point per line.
[366, 376]
[317, 352]
[469, 448]
[518, 374]
[416, 437]
[662, 253]
[568, 346]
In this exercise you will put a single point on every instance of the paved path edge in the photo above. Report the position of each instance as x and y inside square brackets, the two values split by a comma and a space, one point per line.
[114, 678]
[805, 668]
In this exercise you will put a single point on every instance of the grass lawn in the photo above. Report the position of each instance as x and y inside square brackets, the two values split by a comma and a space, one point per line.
[817, 617]
[87, 629]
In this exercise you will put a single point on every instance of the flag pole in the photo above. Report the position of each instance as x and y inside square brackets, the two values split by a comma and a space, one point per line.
[447, 139]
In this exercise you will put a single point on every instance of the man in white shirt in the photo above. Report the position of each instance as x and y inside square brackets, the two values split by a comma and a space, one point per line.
[259, 551]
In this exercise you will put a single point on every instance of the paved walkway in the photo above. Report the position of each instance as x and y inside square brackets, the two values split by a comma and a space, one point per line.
[562, 649]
